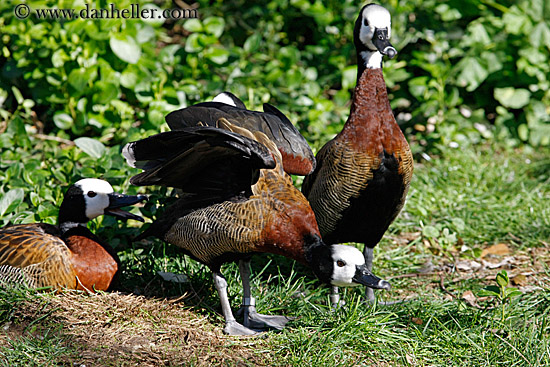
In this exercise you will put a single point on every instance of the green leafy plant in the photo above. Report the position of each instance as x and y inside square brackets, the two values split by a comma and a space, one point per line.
[501, 291]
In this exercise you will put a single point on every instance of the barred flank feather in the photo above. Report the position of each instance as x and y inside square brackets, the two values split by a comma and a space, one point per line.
[40, 257]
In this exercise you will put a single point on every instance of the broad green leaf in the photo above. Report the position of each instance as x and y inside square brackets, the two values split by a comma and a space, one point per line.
[59, 57]
[511, 97]
[491, 291]
[126, 48]
[156, 117]
[502, 279]
[515, 20]
[94, 148]
[105, 92]
[459, 224]
[540, 35]
[477, 34]
[145, 34]
[214, 26]
[11, 200]
[217, 55]
[63, 120]
[492, 61]
[418, 86]
[192, 43]
[193, 25]
[349, 77]
[512, 293]
[473, 74]
[18, 96]
[447, 13]
[128, 79]
[252, 43]
[79, 78]
[523, 132]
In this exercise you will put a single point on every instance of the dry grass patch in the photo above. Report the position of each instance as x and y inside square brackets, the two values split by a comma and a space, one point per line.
[113, 329]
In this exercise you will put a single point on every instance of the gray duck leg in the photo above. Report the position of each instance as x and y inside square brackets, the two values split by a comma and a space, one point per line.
[232, 327]
[369, 256]
[252, 319]
[335, 301]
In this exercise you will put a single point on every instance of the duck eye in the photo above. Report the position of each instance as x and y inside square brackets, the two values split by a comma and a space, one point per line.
[92, 194]
[365, 22]
[340, 263]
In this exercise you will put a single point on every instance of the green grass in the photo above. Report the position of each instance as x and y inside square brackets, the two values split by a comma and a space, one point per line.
[485, 195]
[472, 198]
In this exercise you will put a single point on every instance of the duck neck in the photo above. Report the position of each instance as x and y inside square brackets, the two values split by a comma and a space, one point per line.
[67, 225]
[367, 59]
[369, 97]
[318, 256]
[70, 216]
[370, 114]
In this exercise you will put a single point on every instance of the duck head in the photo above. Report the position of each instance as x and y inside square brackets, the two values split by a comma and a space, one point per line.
[371, 36]
[89, 198]
[342, 266]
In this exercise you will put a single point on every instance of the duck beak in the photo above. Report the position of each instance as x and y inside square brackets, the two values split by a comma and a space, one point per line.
[382, 43]
[116, 201]
[365, 277]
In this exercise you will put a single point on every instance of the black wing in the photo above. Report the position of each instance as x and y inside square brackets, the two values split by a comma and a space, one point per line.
[297, 155]
[202, 160]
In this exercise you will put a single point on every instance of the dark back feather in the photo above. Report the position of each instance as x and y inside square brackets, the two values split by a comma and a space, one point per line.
[199, 160]
[297, 155]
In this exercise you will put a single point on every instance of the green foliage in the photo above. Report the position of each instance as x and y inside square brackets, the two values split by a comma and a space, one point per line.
[501, 291]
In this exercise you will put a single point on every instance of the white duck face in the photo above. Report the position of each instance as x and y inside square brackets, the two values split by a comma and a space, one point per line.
[374, 17]
[349, 269]
[96, 196]
[89, 198]
[373, 31]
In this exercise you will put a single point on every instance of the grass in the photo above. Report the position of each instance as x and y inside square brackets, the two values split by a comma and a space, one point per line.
[460, 203]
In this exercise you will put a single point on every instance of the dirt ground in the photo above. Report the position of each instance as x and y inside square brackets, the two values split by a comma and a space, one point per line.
[113, 329]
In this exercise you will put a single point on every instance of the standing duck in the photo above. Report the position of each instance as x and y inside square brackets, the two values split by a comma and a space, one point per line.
[363, 174]
[67, 255]
[239, 202]
[298, 158]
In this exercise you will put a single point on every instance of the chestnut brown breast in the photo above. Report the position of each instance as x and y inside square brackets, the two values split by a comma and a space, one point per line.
[94, 267]
[37, 255]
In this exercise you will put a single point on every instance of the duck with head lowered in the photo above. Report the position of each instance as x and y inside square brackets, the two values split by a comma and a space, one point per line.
[362, 176]
[238, 201]
[67, 255]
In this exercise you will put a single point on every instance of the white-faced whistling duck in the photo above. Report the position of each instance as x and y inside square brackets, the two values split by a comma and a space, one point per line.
[67, 255]
[363, 174]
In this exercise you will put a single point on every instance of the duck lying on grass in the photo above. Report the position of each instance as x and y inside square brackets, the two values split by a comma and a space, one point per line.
[67, 255]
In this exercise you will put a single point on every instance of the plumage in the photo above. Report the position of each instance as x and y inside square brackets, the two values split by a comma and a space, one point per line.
[67, 255]
[296, 153]
[270, 216]
[363, 174]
